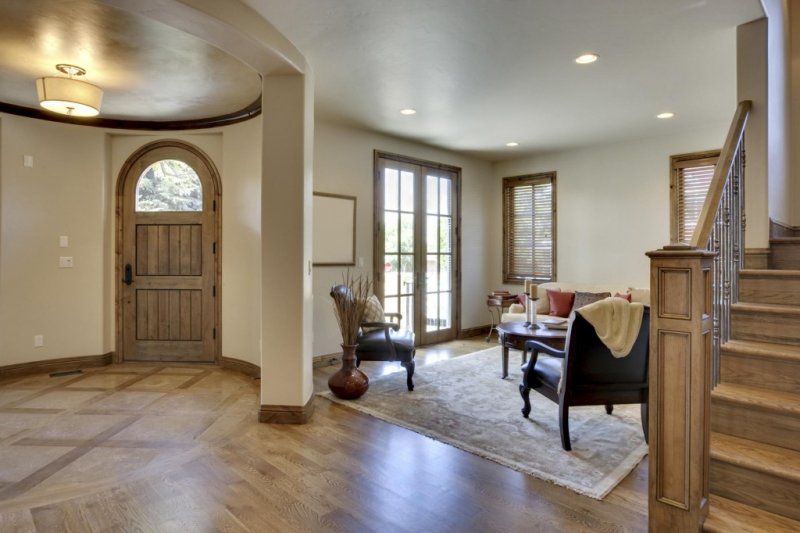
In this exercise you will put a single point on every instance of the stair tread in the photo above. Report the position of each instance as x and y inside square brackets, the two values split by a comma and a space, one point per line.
[769, 272]
[773, 400]
[772, 350]
[757, 456]
[781, 309]
[727, 515]
[784, 240]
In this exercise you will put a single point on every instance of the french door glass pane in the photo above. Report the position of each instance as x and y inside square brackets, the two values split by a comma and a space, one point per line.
[407, 233]
[444, 310]
[432, 312]
[432, 234]
[391, 240]
[445, 272]
[391, 190]
[407, 191]
[391, 268]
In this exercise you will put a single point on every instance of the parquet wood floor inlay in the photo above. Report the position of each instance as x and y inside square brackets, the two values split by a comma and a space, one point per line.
[178, 448]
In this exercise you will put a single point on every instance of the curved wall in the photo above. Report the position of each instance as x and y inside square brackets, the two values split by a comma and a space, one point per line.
[70, 191]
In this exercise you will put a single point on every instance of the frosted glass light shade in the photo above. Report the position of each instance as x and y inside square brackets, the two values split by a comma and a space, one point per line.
[69, 96]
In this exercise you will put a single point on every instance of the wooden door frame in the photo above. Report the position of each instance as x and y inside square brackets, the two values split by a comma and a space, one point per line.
[118, 268]
[377, 262]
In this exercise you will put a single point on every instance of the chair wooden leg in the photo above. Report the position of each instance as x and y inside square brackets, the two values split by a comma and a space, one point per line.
[563, 413]
[409, 374]
[525, 392]
[609, 408]
[645, 414]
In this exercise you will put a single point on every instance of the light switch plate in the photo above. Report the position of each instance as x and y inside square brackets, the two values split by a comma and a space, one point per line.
[65, 262]
[63, 241]
[27, 161]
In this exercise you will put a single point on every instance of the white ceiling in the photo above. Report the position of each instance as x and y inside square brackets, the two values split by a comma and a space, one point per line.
[485, 72]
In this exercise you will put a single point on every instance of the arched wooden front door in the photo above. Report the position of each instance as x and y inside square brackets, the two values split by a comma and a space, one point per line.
[168, 251]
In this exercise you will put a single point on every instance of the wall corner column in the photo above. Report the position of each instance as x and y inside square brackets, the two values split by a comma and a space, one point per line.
[287, 389]
[680, 387]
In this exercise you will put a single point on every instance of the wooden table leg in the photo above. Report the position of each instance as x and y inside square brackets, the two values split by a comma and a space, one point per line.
[505, 361]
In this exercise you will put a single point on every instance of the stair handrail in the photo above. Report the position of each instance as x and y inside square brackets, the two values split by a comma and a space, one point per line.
[692, 289]
[733, 143]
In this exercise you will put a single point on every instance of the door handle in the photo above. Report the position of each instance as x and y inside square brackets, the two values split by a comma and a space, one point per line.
[128, 279]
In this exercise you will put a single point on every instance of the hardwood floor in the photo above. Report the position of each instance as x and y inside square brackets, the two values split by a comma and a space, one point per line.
[178, 448]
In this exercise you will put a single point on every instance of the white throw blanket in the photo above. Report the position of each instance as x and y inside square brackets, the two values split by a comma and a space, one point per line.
[616, 322]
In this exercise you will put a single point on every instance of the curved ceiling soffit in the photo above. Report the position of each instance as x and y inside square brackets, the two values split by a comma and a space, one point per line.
[236, 30]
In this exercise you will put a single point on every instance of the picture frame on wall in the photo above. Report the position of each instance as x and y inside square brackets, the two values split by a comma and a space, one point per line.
[334, 227]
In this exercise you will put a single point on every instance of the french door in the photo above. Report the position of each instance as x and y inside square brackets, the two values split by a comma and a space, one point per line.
[416, 263]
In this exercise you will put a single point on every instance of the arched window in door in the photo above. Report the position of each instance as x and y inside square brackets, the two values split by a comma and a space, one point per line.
[169, 185]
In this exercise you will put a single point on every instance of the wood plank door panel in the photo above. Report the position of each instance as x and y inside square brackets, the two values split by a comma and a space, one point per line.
[169, 307]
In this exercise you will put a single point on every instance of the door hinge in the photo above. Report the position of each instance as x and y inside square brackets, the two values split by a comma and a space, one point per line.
[214, 291]
[214, 331]
[214, 205]
[214, 248]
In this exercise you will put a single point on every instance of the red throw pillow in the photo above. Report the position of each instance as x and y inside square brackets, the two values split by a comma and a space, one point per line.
[626, 296]
[560, 302]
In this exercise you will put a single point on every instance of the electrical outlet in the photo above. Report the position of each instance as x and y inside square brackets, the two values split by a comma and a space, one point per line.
[27, 161]
[38, 341]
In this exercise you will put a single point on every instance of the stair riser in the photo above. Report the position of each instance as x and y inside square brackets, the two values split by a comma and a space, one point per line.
[774, 494]
[766, 327]
[784, 256]
[770, 427]
[741, 369]
[769, 290]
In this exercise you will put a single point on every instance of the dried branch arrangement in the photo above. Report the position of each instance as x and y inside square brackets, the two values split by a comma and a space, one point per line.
[349, 303]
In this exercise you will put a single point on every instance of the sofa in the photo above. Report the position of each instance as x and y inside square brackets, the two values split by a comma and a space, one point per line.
[516, 312]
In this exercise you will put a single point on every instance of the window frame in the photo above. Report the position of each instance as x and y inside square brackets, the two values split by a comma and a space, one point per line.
[508, 251]
[677, 163]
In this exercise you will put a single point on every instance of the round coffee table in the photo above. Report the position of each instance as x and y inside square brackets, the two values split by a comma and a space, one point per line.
[514, 335]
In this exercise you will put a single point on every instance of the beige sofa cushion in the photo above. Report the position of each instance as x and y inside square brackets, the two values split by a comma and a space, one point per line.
[641, 295]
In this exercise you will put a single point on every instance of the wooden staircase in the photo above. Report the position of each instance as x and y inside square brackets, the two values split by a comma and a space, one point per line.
[755, 410]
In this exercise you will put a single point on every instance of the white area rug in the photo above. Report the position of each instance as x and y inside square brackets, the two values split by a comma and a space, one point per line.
[463, 402]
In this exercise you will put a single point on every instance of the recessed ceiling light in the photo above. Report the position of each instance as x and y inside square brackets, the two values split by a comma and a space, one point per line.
[512, 144]
[408, 111]
[666, 114]
[585, 59]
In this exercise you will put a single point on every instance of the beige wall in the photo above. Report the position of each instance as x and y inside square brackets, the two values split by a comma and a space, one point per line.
[751, 84]
[612, 205]
[343, 163]
[70, 191]
[778, 88]
[63, 194]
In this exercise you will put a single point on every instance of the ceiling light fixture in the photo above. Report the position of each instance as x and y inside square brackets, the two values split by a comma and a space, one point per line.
[666, 114]
[585, 59]
[69, 96]
[512, 144]
[408, 111]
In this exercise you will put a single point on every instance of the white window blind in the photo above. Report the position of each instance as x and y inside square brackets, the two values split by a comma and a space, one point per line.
[691, 180]
[529, 227]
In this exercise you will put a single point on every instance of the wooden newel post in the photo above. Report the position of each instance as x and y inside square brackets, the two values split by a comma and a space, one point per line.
[680, 387]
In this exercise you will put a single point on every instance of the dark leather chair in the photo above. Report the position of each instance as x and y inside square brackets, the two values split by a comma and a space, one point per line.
[386, 342]
[592, 375]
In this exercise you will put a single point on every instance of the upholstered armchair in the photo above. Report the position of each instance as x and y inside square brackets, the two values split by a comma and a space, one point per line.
[381, 338]
[588, 373]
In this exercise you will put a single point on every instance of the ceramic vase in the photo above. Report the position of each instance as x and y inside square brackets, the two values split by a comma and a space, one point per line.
[348, 382]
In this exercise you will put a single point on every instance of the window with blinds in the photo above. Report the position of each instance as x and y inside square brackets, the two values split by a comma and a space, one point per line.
[690, 179]
[529, 227]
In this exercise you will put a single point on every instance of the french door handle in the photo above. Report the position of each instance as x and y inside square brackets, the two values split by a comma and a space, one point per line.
[128, 279]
